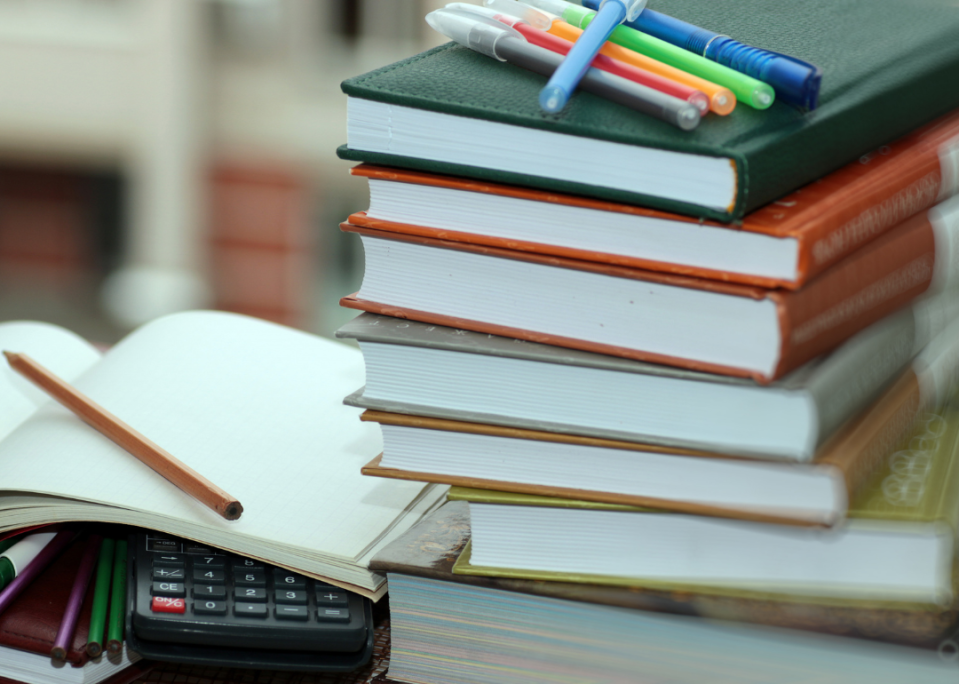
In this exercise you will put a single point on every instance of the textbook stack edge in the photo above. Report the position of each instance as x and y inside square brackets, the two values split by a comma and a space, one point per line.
[560, 321]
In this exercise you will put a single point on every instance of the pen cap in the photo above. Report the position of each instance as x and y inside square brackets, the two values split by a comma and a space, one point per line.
[487, 14]
[472, 30]
[530, 15]
[556, 7]
[632, 8]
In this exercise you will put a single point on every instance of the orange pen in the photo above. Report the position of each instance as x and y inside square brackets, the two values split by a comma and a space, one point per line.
[721, 100]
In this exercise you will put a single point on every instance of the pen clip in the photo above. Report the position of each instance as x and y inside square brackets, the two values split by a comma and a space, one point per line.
[532, 16]
[482, 14]
[473, 30]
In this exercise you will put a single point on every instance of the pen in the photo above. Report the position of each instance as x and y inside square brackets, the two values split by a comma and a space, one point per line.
[721, 99]
[101, 595]
[747, 89]
[35, 567]
[554, 96]
[72, 613]
[107, 424]
[535, 34]
[506, 44]
[796, 82]
[19, 555]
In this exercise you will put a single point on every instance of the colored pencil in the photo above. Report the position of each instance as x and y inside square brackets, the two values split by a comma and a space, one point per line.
[164, 463]
[118, 598]
[81, 583]
[36, 566]
[101, 595]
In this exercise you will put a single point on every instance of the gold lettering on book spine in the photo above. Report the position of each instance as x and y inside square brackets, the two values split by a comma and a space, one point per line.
[912, 274]
[876, 219]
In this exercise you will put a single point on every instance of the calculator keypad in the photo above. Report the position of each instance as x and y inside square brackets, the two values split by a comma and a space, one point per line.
[189, 592]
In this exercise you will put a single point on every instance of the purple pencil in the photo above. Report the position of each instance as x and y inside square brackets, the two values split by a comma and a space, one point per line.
[35, 567]
[69, 622]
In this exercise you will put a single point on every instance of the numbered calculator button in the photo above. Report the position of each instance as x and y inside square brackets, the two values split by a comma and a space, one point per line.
[163, 604]
[209, 576]
[247, 564]
[209, 591]
[174, 589]
[249, 578]
[255, 594]
[292, 613]
[164, 545]
[326, 614]
[288, 580]
[298, 598]
[169, 574]
[209, 562]
[330, 598]
[255, 610]
[169, 560]
[209, 607]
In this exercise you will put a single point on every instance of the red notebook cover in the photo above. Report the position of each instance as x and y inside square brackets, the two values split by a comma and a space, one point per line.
[32, 620]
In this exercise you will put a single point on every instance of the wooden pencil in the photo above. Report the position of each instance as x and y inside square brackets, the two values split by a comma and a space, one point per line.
[125, 436]
[68, 625]
[101, 596]
[118, 598]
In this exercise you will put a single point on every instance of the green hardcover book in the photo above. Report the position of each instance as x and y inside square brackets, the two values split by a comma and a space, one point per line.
[897, 546]
[888, 67]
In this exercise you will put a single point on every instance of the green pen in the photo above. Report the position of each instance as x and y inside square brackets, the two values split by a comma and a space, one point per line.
[118, 599]
[746, 88]
[19, 553]
[101, 595]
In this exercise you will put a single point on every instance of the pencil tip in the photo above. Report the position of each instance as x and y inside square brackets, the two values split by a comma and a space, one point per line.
[9, 355]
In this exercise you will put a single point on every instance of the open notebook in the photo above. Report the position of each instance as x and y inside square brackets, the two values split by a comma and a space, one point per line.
[254, 407]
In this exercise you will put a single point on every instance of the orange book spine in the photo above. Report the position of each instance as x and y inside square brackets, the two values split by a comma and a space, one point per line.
[876, 280]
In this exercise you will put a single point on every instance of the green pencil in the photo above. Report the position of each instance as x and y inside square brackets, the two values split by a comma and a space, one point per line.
[101, 595]
[118, 599]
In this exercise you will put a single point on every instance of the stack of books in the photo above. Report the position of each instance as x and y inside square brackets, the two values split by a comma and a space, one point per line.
[706, 373]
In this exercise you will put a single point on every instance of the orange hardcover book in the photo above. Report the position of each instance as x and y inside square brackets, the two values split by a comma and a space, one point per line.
[784, 244]
[718, 327]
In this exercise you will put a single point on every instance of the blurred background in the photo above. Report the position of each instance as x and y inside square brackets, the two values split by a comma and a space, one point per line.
[159, 155]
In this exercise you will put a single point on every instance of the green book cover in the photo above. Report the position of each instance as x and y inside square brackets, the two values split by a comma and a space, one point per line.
[888, 67]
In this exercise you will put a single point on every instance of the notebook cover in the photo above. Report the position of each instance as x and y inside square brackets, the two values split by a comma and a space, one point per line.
[886, 69]
[32, 620]
[829, 218]
[432, 547]
[878, 279]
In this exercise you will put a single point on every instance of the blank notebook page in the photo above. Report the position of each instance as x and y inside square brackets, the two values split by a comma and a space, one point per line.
[254, 407]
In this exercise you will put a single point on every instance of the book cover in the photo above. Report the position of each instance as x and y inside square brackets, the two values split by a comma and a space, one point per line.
[884, 65]
[874, 281]
[817, 225]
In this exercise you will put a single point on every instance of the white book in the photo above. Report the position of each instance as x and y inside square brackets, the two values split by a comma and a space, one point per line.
[254, 407]
[32, 668]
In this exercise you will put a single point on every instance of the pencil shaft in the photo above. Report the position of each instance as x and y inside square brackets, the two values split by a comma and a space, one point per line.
[157, 458]
[68, 625]
[118, 598]
[101, 596]
[36, 566]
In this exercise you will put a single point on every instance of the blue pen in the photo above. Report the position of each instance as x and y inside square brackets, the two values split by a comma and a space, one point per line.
[554, 96]
[796, 82]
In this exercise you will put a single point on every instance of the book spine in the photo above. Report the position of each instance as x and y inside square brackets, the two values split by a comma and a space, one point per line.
[925, 173]
[883, 276]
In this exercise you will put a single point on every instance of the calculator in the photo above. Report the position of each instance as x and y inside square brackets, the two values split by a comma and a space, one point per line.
[190, 603]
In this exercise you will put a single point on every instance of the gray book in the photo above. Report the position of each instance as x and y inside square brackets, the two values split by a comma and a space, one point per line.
[430, 370]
